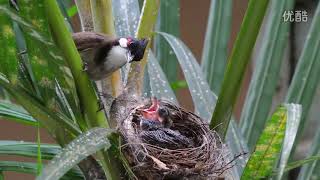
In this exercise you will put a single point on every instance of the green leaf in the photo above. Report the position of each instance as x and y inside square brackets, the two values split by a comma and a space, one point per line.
[86, 92]
[306, 77]
[294, 112]
[179, 85]
[237, 64]
[147, 21]
[72, 11]
[8, 52]
[158, 82]
[47, 118]
[81, 147]
[42, 69]
[266, 73]
[237, 145]
[204, 100]
[39, 157]
[268, 147]
[31, 168]
[169, 22]
[308, 170]
[215, 48]
[28, 149]
[13, 112]
[126, 17]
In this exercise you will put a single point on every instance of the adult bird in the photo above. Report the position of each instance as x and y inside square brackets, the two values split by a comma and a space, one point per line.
[103, 54]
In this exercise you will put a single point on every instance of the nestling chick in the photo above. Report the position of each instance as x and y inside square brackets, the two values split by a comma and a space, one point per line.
[102, 54]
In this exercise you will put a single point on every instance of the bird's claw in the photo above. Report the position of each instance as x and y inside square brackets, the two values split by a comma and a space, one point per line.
[100, 105]
[85, 67]
[14, 4]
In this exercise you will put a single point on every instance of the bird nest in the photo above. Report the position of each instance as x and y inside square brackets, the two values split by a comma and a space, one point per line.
[183, 148]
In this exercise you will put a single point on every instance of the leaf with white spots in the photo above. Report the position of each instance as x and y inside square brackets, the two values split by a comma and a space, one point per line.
[159, 84]
[126, 15]
[203, 99]
[83, 146]
[8, 52]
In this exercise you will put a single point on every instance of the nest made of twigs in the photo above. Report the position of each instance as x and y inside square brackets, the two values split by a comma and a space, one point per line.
[188, 149]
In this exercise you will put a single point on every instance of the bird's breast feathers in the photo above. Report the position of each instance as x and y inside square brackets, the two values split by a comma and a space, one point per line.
[117, 55]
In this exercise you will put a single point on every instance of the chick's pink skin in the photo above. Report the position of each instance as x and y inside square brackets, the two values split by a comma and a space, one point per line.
[152, 112]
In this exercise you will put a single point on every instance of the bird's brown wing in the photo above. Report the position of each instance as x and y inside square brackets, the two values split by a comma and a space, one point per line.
[90, 40]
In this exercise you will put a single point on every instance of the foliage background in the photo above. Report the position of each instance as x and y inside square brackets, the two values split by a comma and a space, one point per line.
[193, 21]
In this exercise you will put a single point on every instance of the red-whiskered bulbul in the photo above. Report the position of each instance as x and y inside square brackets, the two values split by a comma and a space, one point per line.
[103, 54]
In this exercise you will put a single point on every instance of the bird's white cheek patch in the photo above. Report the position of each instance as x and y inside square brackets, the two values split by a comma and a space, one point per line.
[123, 42]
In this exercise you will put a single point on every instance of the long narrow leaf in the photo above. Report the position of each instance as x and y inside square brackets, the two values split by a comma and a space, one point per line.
[266, 74]
[268, 147]
[8, 52]
[203, 99]
[83, 146]
[126, 18]
[214, 55]
[309, 169]
[237, 64]
[145, 28]
[31, 168]
[160, 86]
[28, 149]
[16, 113]
[85, 89]
[293, 119]
[306, 77]
[48, 119]
[169, 22]
[237, 145]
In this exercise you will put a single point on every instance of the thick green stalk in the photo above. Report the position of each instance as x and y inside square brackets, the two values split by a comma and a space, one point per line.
[237, 64]
[103, 22]
[85, 89]
[145, 29]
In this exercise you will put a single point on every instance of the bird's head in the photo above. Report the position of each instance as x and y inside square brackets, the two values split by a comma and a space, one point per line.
[135, 47]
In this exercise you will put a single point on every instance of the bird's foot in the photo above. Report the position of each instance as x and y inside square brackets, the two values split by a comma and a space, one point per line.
[14, 4]
[105, 95]
[85, 67]
[100, 105]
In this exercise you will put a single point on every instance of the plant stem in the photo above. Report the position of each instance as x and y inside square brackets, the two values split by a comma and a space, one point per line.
[237, 64]
[145, 29]
[85, 89]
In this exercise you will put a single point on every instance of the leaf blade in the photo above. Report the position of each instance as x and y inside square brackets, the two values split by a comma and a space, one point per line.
[237, 64]
[81, 147]
[261, 162]
[203, 99]
[214, 54]
[265, 77]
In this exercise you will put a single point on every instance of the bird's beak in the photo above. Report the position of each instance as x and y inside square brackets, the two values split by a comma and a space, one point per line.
[144, 43]
[137, 53]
